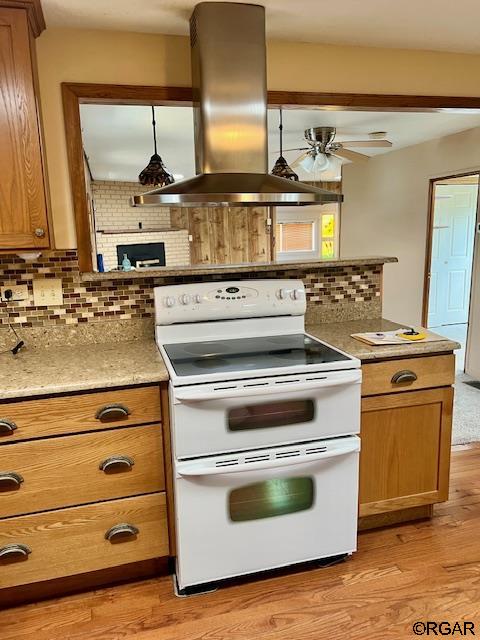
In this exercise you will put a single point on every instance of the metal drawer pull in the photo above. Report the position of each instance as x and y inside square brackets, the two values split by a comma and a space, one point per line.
[114, 463]
[7, 427]
[121, 531]
[112, 412]
[11, 478]
[12, 550]
[404, 376]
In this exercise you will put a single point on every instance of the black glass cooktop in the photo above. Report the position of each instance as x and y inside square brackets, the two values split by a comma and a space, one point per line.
[249, 354]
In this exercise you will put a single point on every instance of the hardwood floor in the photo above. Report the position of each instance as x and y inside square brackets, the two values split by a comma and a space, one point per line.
[424, 571]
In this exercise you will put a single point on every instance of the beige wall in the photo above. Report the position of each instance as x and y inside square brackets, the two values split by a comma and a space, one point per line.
[70, 55]
[386, 207]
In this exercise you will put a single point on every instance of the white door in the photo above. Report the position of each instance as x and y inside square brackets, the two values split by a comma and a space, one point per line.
[455, 209]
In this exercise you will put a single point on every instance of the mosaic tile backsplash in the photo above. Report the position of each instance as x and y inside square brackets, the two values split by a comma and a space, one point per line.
[327, 288]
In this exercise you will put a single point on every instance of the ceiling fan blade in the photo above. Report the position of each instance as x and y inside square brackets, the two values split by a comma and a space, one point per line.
[298, 160]
[353, 156]
[366, 143]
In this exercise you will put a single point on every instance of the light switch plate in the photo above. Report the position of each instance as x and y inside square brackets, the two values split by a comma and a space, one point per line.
[47, 292]
[19, 292]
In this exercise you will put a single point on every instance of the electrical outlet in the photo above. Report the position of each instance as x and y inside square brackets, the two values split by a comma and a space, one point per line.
[47, 292]
[19, 292]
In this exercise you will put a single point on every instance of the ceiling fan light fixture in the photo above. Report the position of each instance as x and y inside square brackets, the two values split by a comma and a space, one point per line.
[308, 162]
[155, 173]
[281, 168]
[333, 170]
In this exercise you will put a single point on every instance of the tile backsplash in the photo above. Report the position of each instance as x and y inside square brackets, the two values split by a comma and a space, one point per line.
[333, 293]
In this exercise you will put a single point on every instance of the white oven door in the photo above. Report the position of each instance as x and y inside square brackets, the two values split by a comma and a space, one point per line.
[247, 414]
[265, 509]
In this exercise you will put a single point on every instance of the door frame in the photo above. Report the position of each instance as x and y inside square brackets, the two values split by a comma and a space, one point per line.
[429, 243]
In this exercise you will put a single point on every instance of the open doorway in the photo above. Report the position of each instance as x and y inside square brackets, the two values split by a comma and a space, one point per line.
[453, 214]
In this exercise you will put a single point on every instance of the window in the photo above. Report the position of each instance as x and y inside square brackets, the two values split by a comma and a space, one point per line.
[307, 233]
[271, 414]
[275, 497]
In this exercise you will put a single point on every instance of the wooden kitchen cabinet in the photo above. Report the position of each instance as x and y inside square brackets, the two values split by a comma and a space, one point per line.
[406, 440]
[73, 468]
[23, 193]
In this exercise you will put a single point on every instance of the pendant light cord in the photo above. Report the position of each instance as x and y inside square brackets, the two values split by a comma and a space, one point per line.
[281, 132]
[154, 130]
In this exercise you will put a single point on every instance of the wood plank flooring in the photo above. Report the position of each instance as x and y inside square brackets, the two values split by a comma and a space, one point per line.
[424, 571]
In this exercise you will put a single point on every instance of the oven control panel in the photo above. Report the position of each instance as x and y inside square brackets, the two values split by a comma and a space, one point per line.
[206, 301]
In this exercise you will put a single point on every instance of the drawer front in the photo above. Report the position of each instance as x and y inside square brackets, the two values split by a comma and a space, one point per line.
[59, 472]
[408, 374]
[71, 541]
[84, 412]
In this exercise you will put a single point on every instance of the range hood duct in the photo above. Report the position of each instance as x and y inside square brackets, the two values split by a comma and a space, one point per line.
[230, 117]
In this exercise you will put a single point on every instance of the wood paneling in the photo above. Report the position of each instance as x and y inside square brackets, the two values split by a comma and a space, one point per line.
[72, 414]
[59, 472]
[23, 204]
[431, 371]
[72, 541]
[226, 235]
[400, 574]
[199, 229]
[405, 450]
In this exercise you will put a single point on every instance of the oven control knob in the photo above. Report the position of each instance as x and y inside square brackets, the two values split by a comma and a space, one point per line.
[297, 294]
[197, 298]
[282, 294]
[169, 301]
[185, 298]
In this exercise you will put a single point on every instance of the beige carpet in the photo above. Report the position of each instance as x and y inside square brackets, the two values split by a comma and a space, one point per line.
[466, 411]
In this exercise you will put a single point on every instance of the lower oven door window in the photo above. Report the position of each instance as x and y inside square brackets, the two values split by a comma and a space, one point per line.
[270, 498]
[271, 414]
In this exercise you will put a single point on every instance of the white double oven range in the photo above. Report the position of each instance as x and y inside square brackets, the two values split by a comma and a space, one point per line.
[264, 424]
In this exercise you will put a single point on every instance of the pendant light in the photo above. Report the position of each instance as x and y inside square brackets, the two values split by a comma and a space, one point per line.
[155, 174]
[281, 168]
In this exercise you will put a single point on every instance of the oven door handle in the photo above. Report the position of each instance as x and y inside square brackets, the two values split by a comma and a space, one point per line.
[279, 388]
[210, 470]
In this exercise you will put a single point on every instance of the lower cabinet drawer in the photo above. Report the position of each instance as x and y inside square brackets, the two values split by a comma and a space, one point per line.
[408, 374]
[60, 415]
[71, 470]
[66, 542]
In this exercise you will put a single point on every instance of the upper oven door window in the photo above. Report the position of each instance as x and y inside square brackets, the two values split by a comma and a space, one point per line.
[270, 414]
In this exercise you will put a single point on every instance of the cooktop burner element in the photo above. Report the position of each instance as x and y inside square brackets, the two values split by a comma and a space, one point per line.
[250, 354]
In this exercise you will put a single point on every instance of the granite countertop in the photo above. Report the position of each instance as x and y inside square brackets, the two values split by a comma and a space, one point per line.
[338, 335]
[80, 367]
[257, 267]
[83, 367]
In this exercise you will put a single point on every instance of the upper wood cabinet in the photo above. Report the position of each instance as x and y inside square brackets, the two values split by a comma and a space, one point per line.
[23, 193]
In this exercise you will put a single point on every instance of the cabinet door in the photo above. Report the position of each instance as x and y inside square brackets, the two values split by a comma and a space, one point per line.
[405, 457]
[23, 210]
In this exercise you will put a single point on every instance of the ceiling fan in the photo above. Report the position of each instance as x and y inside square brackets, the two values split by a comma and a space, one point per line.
[324, 154]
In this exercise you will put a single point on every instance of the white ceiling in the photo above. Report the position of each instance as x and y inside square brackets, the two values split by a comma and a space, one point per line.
[118, 138]
[413, 24]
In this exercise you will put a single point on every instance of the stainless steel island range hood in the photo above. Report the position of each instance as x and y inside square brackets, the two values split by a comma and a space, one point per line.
[230, 116]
